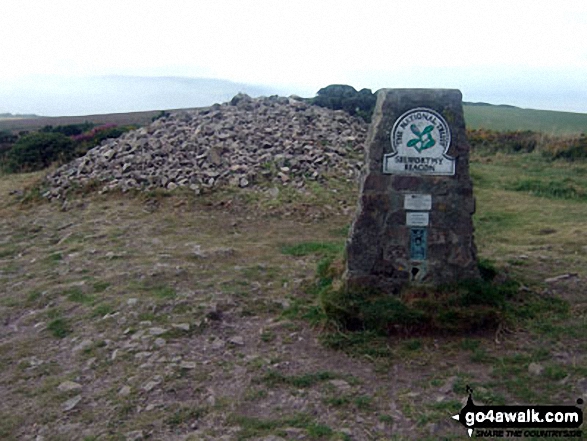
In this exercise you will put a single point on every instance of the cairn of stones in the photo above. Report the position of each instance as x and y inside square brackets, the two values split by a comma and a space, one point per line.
[244, 143]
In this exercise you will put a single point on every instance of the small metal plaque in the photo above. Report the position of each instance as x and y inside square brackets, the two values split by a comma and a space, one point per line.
[418, 243]
[418, 202]
[417, 219]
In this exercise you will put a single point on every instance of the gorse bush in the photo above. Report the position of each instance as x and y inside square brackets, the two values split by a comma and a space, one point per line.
[569, 148]
[88, 140]
[492, 141]
[69, 129]
[36, 151]
[566, 188]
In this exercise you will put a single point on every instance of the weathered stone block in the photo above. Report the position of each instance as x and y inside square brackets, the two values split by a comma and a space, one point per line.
[417, 159]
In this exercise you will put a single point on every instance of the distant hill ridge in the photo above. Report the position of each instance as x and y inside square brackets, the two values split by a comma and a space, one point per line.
[466, 103]
[18, 116]
[500, 117]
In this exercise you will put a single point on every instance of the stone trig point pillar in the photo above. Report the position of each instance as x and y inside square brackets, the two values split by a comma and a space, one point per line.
[416, 199]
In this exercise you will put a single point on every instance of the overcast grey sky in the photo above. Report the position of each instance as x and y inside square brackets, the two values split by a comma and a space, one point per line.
[525, 53]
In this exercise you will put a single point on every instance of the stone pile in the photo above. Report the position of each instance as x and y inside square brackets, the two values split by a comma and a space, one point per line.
[243, 143]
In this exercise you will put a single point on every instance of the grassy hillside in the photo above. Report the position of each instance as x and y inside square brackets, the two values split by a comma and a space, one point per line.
[515, 118]
[36, 123]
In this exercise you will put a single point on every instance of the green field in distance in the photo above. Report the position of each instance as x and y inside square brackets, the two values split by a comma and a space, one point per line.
[503, 118]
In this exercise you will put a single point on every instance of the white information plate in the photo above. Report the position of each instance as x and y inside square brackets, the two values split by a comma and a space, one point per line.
[417, 219]
[418, 202]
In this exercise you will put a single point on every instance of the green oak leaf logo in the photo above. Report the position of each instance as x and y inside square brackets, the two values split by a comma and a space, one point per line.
[424, 138]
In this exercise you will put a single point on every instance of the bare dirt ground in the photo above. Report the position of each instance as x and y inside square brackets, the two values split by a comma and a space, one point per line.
[169, 318]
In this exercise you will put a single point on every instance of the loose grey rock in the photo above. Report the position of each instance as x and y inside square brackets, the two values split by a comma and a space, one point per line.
[124, 391]
[559, 278]
[218, 343]
[535, 368]
[182, 326]
[69, 385]
[187, 365]
[238, 341]
[83, 345]
[160, 342]
[149, 386]
[340, 385]
[71, 403]
[135, 435]
[157, 331]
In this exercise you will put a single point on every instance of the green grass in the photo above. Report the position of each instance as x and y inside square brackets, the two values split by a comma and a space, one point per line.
[59, 327]
[566, 188]
[185, 415]
[309, 248]
[509, 118]
[77, 295]
[102, 310]
[100, 286]
[164, 292]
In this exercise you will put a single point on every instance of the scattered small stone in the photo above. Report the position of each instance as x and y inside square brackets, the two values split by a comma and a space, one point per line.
[149, 407]
[182, 326]
[238, 340]
[114, 354]
[157, 331]
[561, 277]
[124, 391]
[90, 362]
[71, 403]
[218, 343]
[144, 354]
[273, 192]
[135, 435]
[340, 385]
[69, 385]
[535, 368]
[83, 345]
[148, 387]
[294, 432]
[159, 342]
[187, 365]
[34, 362]
[132, 301]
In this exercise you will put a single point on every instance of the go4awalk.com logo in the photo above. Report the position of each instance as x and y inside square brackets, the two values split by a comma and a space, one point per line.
[517, 421]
